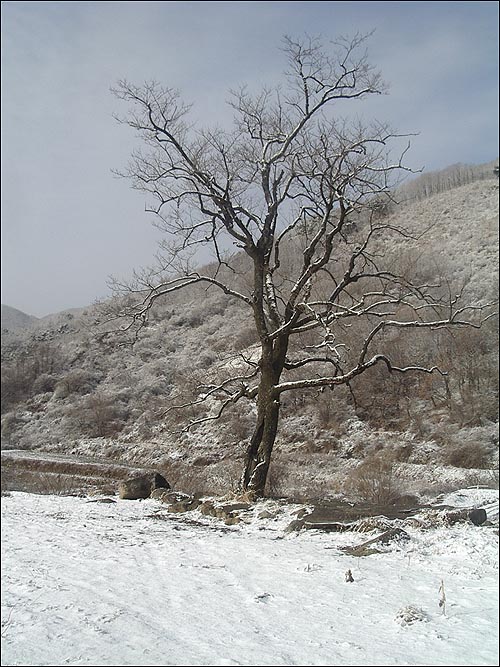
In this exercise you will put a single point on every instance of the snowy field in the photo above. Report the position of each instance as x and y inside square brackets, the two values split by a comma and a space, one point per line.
[126, 583]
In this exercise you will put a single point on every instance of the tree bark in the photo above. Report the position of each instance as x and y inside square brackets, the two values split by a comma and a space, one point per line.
[260, 448]
[259, 451]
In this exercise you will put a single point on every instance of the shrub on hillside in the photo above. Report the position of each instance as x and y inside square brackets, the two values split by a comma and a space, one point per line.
[99, 415]
[77, 382]
[44, 383]
[373, 481]
[467, 455]
[11, 422]
[468, 447]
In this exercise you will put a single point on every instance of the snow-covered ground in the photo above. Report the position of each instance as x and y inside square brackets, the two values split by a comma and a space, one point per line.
[127, 583]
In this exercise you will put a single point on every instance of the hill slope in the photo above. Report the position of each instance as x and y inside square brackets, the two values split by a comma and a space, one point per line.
[66, 390]
[13, 319]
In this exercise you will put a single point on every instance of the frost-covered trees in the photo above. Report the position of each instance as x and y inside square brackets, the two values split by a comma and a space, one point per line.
[288, 202]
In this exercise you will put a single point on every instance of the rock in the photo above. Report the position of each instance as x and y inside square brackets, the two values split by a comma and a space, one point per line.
[207, 508]
[224, 512]
[295, 526]
[163, 495]
[332, 526]
[194, 503]
[235, 507]
[478, 516]
[414, 522]
[141, 487]
[102, 500]
[361, 551]
[167, 496]
[180, 506]
[232, 520]
[265, 514]
[455, 516]
[191, 503]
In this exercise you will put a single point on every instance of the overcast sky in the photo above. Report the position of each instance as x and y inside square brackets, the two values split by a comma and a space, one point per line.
[68, 223]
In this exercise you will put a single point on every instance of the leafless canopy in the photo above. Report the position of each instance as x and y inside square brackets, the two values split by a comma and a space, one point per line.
[295, 190]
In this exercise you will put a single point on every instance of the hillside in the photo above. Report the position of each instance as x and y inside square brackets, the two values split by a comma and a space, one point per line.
[68, 390]
[13, 319]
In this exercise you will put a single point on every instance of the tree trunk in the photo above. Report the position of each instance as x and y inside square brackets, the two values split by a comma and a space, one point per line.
[260, 448]
[259, 451]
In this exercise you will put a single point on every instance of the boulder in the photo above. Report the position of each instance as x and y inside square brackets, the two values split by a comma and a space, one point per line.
[478, 516]
[141, 487]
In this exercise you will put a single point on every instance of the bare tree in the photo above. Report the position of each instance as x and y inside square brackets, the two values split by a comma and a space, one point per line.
[290, 195]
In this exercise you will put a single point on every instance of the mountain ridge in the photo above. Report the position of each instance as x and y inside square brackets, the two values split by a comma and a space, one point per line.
[13, 319]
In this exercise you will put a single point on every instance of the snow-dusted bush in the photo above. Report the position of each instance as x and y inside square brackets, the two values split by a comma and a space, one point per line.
[100, 415]
[11, 422]
[374, 481]
[237, 424]
[77, 382]
[468, 447]
[467, 455]
[44, 383]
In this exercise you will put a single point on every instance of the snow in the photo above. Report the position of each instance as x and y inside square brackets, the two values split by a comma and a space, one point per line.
[127, 583]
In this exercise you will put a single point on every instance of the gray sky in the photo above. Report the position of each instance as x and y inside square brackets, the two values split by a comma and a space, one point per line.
[68, 223]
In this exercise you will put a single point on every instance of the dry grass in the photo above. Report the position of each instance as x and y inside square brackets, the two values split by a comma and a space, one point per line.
[373, 481]
[56, 484]
[467, 455]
